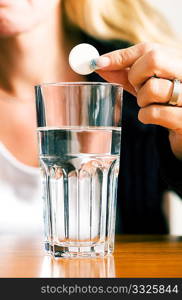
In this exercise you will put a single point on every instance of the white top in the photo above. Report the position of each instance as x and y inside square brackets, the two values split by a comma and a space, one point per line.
[20, 196]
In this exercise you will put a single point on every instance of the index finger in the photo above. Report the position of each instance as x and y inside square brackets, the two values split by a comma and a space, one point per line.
[123, 58]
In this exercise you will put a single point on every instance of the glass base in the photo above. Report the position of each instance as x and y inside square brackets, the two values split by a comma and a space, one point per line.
[97, 250]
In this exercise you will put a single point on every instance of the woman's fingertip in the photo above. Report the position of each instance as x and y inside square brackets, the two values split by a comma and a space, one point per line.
[102, 62]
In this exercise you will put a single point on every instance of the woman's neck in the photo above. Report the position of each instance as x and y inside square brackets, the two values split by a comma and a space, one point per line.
[33, 57]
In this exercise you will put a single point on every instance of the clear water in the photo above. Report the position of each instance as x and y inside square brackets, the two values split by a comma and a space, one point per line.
[80, 168]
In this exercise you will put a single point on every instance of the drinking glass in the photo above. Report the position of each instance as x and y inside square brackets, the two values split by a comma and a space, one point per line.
[79, 132]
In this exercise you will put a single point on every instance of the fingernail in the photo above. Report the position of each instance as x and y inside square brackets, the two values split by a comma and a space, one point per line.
[99, 63]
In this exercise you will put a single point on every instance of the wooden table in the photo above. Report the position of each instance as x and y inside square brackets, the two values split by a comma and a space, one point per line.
[135, 256]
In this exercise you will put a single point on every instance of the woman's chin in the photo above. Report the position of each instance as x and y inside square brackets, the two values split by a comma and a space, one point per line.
[10, 31]
[8, 34]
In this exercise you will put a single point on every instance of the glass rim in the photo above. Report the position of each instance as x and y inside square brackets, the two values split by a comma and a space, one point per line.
[78, 83]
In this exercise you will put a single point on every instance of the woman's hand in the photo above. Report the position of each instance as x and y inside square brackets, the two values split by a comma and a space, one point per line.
[147, 71]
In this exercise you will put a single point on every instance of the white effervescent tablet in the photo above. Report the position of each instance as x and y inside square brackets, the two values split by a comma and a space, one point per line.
[82, 57]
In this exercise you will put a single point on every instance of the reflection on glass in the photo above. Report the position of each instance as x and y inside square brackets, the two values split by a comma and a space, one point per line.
[78, 267]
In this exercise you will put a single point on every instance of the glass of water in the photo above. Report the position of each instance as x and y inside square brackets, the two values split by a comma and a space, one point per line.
[79, 132]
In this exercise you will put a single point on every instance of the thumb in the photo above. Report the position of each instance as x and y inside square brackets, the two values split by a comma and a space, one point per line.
[114, 66]
[120, 76]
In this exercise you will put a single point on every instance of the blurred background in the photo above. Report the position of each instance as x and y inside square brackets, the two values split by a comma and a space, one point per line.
[172, 10]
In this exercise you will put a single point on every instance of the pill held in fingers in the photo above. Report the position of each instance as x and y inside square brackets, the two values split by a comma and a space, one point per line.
[83, 59]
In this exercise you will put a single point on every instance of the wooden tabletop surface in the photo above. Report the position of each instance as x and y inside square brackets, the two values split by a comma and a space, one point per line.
[135, 256]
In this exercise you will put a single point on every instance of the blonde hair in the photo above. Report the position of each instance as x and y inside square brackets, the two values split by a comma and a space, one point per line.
[130, 20]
